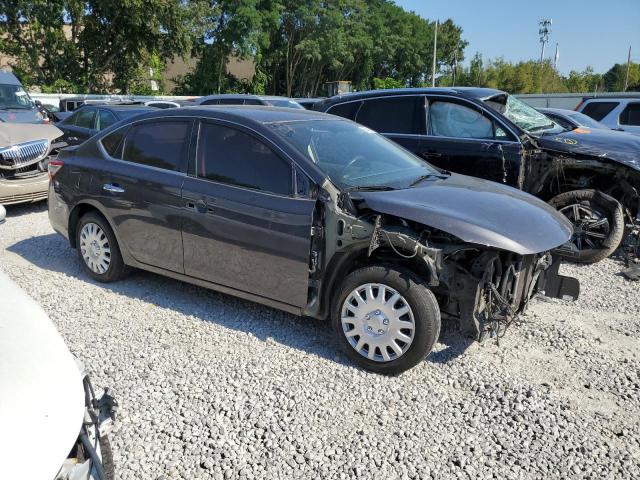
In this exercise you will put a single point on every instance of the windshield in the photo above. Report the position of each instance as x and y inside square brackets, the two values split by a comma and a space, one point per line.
[527, 118]
[352, 155]
[587, 121]
[14, 96]
[286, 104]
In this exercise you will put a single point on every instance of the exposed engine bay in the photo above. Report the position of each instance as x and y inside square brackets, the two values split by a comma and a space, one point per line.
[483, 287]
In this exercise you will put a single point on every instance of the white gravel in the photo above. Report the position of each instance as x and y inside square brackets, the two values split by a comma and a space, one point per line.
[215, 387]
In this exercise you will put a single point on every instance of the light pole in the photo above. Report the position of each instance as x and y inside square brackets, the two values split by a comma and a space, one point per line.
[435, 48]
[544, 31]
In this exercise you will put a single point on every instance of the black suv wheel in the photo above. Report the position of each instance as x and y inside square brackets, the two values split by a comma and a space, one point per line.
[598, 223]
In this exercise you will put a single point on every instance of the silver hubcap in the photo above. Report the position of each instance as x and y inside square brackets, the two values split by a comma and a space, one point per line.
[95, 249]
[378, 322]
[590, 226]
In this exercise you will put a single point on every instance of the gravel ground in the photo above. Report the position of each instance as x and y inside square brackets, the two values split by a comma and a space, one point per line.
[215, 387]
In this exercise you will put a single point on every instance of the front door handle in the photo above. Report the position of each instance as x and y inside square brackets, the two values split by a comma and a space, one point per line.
[113, 188]
[199, 206]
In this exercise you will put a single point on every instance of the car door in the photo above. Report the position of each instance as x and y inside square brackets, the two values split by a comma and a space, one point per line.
[399, 118]
[78, 127]
[140, 185]
[464, 138]
[243, 226]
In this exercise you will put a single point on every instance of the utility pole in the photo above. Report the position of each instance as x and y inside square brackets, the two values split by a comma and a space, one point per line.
[455, 66]
[555, 58]
[544, 31]
[626, 77]
[435, 49]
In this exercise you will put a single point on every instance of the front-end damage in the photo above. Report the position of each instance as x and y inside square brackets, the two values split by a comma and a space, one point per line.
[485, 288]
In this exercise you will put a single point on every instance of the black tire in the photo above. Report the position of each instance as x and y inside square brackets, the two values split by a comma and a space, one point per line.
[591, 249]
[423, 305]
[116, 267]
[107, 458]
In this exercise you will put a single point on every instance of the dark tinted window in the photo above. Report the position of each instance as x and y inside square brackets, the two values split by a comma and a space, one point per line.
[84, 117]
[230, 156]
[392, 115]
[210, 102]
[599, 110]
[105, 119]
[157, 144]
[630, 115]
[252, 101]
[112, 142]
[231, 101]
[346, 110]
[447, 119]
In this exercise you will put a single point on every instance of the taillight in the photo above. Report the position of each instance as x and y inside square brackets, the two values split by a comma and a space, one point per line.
[54, 167]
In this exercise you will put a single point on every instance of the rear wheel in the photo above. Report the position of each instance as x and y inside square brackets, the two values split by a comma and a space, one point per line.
[598, 223]
[98, 249]
[386, 320]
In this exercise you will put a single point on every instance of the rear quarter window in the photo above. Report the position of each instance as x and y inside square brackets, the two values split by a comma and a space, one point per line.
[631, 115]
[599, 110]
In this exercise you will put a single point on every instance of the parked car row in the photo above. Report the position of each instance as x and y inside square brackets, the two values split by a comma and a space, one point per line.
[321, 216]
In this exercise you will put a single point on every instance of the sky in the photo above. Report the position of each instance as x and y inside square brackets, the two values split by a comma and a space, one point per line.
[594, 33]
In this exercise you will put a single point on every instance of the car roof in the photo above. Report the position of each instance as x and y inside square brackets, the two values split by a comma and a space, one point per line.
[243, 96]
[253, 113]
[563, 111]
[8, 78]
[471, 92]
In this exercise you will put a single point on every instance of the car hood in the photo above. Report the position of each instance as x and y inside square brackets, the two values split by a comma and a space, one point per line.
[620, 147]
[41, 392]
[477, 211]
[16, 133]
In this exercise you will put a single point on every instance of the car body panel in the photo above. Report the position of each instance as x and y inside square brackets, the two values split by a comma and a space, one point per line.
[41, 390]
[248, 240]
[609, 145]
[478, 212]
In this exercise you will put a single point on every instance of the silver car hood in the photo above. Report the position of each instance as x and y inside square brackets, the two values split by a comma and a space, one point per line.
[41, 392]
[16, 133]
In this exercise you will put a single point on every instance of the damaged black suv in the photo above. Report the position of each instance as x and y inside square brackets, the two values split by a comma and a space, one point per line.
[311, 214]
[591, 176]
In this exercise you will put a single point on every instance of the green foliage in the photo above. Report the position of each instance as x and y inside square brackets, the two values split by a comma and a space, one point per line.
[535, 77]
[386, 83]
[98, 45]
[296, 45]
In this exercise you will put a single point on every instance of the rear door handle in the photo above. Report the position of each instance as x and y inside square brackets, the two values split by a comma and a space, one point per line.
[113, 188]
[199, 206]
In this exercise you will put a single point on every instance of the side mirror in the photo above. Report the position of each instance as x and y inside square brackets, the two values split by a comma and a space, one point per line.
[38, 103]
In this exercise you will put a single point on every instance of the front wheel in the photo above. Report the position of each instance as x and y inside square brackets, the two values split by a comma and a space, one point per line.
[598, 223]
[385, 319]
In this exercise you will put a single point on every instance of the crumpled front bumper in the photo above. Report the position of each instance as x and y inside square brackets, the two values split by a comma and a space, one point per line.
[90, 457]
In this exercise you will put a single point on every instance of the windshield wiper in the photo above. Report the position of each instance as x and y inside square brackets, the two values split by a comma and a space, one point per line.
[369, 188]
[426, 177]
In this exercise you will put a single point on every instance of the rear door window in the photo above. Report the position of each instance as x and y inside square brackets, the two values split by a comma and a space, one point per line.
[599, 110]
[160, 144]
[231, 101]
[631, 115]
[84, 118]
[448, 119]
[346, 110]
[230, 156]
[211, 102]
[401, 114]
[105, 119]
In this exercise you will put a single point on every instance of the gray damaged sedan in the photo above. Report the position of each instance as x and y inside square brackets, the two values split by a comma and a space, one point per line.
[312, 214]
